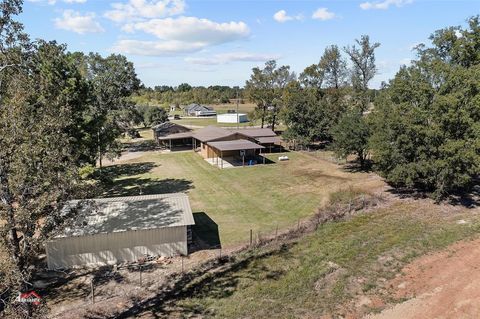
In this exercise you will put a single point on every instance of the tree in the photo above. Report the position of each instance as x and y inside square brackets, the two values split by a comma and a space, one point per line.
[351, 136]
[427, 119]
[334, 67]
[364, 69]
[113, 80]
[154, 115]
[38, 171]
[265, 88]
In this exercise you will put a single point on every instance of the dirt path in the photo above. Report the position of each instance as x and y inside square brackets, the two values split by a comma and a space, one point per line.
[441, 285]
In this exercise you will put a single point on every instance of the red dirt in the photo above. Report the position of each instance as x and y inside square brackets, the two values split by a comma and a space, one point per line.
[441, 285]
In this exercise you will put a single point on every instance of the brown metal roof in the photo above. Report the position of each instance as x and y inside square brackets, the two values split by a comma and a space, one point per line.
[176, 136]
[269, 140]
[256, 132]
[235, 145]
[211, 133]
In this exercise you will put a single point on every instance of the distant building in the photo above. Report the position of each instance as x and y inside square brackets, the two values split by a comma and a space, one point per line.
[232, 118]
[198, 110]
[108, 231]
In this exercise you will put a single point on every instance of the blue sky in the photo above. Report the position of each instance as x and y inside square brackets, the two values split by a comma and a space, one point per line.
[219, 41]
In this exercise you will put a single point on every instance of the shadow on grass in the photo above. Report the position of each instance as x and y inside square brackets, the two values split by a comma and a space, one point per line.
[134, 186]
[467, 198]
[356, 167]
[141, 146]
[205, 233]
[220, 280]
[115, 171]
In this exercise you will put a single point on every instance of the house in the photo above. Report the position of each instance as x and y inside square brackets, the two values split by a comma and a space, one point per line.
[199, 110]
[216, 143]
[122, 229]
[232, 118]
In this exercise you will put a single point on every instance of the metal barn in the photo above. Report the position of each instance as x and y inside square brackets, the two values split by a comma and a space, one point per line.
[123, 229]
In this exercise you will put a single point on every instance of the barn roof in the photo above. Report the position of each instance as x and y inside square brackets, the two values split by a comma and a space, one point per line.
[235, 145]
[118, 214]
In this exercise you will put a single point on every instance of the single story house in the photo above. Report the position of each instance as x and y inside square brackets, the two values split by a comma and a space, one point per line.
[108, 231]
[232, 118]
[199, 110]
[217, 143]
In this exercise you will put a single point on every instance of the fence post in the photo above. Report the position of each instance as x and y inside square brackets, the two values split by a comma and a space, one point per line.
[140, 275]
[182, 265]
[298, 224]
[251, 237]
[276, 231]
[92, 288]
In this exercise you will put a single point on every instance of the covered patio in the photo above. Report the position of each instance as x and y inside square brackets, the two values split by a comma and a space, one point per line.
[235, 153]
[179, 141]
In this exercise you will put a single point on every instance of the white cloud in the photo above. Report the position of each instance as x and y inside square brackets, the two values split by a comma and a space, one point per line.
[282, 16]
[75, 1]
[155, 48]
[323, 14]
[76, 22]
[135, 10]
[180, 35]
[383, 5]
[225, 58]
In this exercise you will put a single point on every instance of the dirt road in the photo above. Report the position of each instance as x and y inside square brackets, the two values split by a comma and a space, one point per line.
[441, 285]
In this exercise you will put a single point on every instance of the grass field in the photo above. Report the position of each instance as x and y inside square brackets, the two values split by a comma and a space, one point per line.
[239, 199]
[206, 121]
[329, 271]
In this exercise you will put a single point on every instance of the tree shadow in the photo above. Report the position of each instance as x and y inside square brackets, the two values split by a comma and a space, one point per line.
[134, 186]
[115, 171]
[356, 167]
[467, 199]
[219, 280]
[205, 233]
[141, 146]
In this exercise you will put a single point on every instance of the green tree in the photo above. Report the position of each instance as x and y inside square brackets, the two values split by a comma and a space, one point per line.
[427, 119]
[38, 171]
[364, 68]
[351, 135]
[154, 115]
[265, 88]
[334, 67]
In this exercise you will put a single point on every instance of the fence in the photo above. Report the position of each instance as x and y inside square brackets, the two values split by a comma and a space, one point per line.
[138, 281]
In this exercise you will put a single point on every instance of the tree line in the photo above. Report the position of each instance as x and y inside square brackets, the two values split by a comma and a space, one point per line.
[185, 94]
[59, 111]
[421, 130]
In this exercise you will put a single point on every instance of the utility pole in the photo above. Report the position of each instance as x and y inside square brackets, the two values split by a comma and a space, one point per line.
[238, 117]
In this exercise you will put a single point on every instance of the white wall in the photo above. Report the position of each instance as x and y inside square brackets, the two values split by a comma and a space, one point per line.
[232, 118]
[107, 249]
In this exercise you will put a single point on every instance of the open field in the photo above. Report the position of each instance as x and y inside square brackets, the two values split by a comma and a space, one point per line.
[239, 199]
[206, 121]
[341, 270]
[242, 108]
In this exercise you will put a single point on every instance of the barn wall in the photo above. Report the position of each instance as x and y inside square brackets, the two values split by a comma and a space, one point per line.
[105, 249]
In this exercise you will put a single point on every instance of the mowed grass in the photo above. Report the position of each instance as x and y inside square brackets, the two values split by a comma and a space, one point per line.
[297, 280]
[206, 121]
[260, 198]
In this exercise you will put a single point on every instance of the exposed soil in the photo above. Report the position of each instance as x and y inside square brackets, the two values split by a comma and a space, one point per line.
[441, 285]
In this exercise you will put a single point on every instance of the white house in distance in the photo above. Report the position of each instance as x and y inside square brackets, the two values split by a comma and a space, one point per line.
[232, 118]
[109, 231]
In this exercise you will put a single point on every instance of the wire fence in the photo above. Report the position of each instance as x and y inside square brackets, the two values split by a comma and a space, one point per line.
[150, 275]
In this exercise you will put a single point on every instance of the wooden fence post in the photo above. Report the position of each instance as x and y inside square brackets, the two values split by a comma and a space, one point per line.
[251, 237]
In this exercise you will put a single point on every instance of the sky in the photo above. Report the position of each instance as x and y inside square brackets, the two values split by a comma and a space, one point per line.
[218, 42]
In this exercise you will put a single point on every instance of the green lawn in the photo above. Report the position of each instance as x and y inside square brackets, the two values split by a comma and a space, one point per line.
[206, 121]
[238, 199]
[298, 280]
